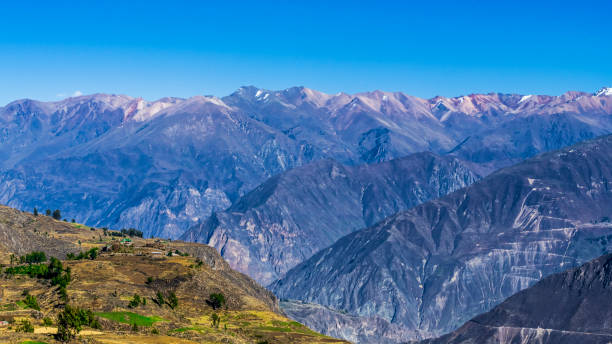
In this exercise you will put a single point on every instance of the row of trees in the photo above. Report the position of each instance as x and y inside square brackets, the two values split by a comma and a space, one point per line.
[57, 214]
[92, 254]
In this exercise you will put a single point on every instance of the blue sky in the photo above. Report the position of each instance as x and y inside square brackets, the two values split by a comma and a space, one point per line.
[52, 49]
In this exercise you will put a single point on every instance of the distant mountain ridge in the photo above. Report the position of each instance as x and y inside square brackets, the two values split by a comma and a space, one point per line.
[433, 267]
[163, 166]
[296, 213]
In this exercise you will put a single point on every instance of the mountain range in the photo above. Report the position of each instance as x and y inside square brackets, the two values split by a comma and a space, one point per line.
[425, 271]
[299, 212]
[164, 166]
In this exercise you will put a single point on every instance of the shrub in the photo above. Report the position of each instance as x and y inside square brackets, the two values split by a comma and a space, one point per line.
[31, 302]
[35, 257]
[47, 321]
[216, 300]
[57, 214]
[25, 326]
[63, 294]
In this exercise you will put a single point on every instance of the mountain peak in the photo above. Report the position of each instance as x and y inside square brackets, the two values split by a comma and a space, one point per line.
[604, 91]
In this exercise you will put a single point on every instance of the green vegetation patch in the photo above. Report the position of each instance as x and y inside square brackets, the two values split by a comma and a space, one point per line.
[32, 342]
[130, 318]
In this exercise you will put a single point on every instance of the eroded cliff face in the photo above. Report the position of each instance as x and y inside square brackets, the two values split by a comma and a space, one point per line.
[293, 215]
[356, 329]
[568, 307]
[433, 267]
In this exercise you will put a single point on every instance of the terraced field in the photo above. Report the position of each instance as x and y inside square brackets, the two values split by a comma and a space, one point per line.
[136, 290]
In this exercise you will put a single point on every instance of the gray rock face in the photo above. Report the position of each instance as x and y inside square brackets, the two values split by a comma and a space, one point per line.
[569, 307]
[350, 327]
[435, 266]
[295, 214]
[164, 166]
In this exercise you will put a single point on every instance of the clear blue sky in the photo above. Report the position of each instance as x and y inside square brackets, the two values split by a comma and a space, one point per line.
[51, 49]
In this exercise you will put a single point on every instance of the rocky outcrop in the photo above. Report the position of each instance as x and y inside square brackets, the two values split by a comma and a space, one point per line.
[435, 266]
[569, 307]
[294, 214]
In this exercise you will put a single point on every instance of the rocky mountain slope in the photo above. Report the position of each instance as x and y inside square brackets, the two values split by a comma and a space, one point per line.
[164, 166]
[123, 270]
[295, 214]
[435, 266]
[569, 307]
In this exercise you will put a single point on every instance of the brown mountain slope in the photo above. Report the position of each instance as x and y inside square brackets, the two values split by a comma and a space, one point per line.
[125, 267]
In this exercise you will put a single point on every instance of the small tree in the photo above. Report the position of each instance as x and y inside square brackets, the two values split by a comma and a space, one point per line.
[57, 214]
[136, 301]
[71, 320]
[159, 299]
[48, 212]
[172, 300]
[93, 253]
[215, 320]
[35, 211]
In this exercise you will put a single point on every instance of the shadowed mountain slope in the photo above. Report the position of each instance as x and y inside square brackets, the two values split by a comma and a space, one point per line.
[294, 214]
[569, 307]
[435, 266]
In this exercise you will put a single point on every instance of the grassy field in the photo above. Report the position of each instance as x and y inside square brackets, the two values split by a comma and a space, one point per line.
[130, 318]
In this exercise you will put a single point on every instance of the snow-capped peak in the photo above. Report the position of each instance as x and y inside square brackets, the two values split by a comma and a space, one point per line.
[525, 98]
[604, 91]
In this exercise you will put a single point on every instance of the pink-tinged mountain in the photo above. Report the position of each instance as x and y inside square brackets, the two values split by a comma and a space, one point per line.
[165, 165]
